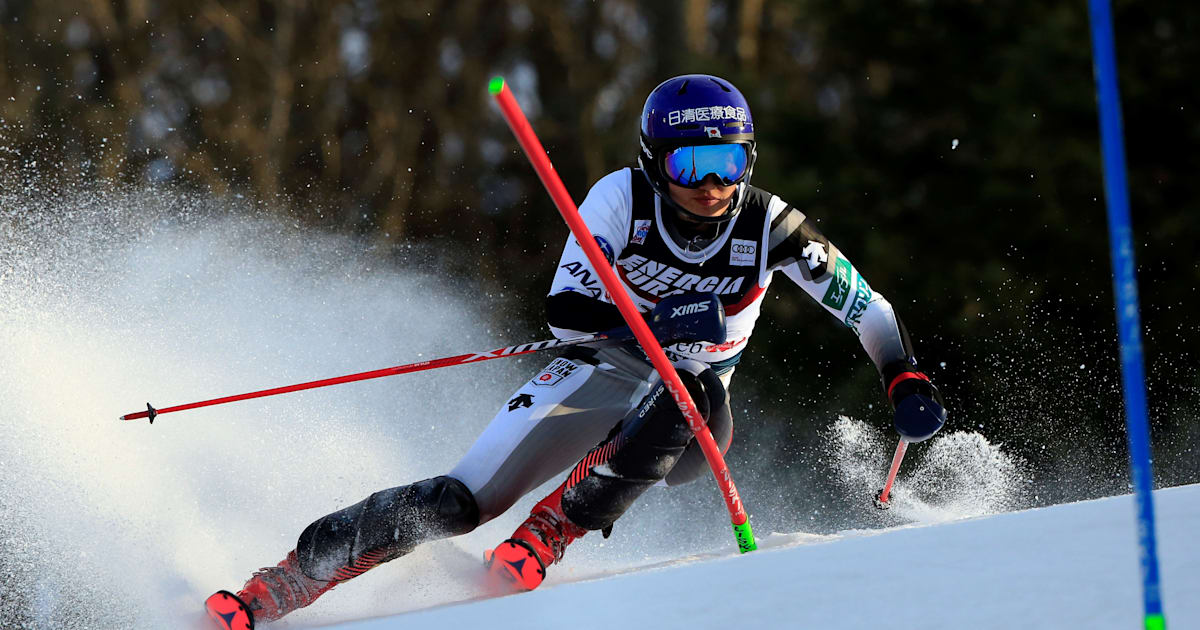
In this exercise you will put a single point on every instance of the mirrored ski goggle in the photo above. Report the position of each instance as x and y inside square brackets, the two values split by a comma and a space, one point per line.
[688, 166]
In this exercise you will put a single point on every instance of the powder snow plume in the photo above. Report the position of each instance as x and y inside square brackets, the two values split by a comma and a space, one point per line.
[954, 475]
[112, 299]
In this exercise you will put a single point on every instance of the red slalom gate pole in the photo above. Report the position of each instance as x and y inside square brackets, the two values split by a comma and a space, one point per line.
[885, 494]
[566, 206]
[470, 357]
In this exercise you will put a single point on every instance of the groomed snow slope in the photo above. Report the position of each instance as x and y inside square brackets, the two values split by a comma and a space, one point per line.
[1066, 566]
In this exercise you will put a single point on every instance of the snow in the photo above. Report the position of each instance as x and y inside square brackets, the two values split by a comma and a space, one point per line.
[112, 299]
[1065, 566]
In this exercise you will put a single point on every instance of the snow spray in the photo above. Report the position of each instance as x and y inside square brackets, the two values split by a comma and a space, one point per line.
[110, 298]
[954, 475]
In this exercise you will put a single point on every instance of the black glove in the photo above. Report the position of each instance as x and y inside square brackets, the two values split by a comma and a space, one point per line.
[920, 412]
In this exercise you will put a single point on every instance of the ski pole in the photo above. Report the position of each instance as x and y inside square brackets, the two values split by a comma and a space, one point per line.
[470, 357]
[885, 495]
[702, 325]
[562, 199]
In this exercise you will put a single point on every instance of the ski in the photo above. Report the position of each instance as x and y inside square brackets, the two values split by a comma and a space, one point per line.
[228, 611]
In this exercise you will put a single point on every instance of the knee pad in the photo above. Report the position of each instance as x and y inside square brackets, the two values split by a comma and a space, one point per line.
[658, 419]
[693, 464]
[385, 526]
[650, 442]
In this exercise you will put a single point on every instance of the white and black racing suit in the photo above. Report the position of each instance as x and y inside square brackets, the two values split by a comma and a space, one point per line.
[569, 407]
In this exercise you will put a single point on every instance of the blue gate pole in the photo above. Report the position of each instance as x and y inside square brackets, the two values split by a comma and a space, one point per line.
[1116, 192]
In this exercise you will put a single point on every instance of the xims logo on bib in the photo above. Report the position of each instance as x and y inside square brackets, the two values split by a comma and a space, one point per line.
[660, 280]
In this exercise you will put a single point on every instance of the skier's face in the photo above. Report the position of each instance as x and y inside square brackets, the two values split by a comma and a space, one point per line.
[709, 199]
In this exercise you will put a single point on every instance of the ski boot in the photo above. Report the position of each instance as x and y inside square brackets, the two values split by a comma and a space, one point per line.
[269, 594]
[536, 544]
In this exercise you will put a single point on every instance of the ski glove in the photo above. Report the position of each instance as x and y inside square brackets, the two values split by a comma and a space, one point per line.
[920, 412]
[688, 317]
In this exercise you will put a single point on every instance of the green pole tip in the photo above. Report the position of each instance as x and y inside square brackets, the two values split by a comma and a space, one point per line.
[745, 537]
[1156, 622]
[496, 85]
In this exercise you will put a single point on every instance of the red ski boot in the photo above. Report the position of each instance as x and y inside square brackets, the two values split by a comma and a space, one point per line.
[538, 542]
[269, 594]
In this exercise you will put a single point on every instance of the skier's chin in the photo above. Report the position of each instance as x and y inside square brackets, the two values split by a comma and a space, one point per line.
[702, 210]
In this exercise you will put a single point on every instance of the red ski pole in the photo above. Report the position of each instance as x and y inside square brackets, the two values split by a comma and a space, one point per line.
[470, 357]
[885, 495]
[566, 206]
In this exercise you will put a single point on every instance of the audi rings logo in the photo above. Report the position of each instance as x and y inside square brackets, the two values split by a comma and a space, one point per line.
[741, 252]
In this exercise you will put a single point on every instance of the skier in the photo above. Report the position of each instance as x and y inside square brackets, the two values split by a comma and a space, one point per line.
[683, 223]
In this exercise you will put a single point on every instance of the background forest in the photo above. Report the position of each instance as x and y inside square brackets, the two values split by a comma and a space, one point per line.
[949, 147]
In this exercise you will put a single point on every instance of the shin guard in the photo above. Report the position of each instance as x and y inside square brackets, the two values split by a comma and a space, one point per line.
[385, 526]
[643, 449]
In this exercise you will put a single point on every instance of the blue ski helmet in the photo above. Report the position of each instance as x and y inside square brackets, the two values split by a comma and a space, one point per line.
[697, 110]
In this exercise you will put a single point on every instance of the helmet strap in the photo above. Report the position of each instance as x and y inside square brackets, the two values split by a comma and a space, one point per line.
[688, 234]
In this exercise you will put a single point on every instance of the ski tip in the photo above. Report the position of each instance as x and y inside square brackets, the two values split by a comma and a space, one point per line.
[228, 611]
[513, 566]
